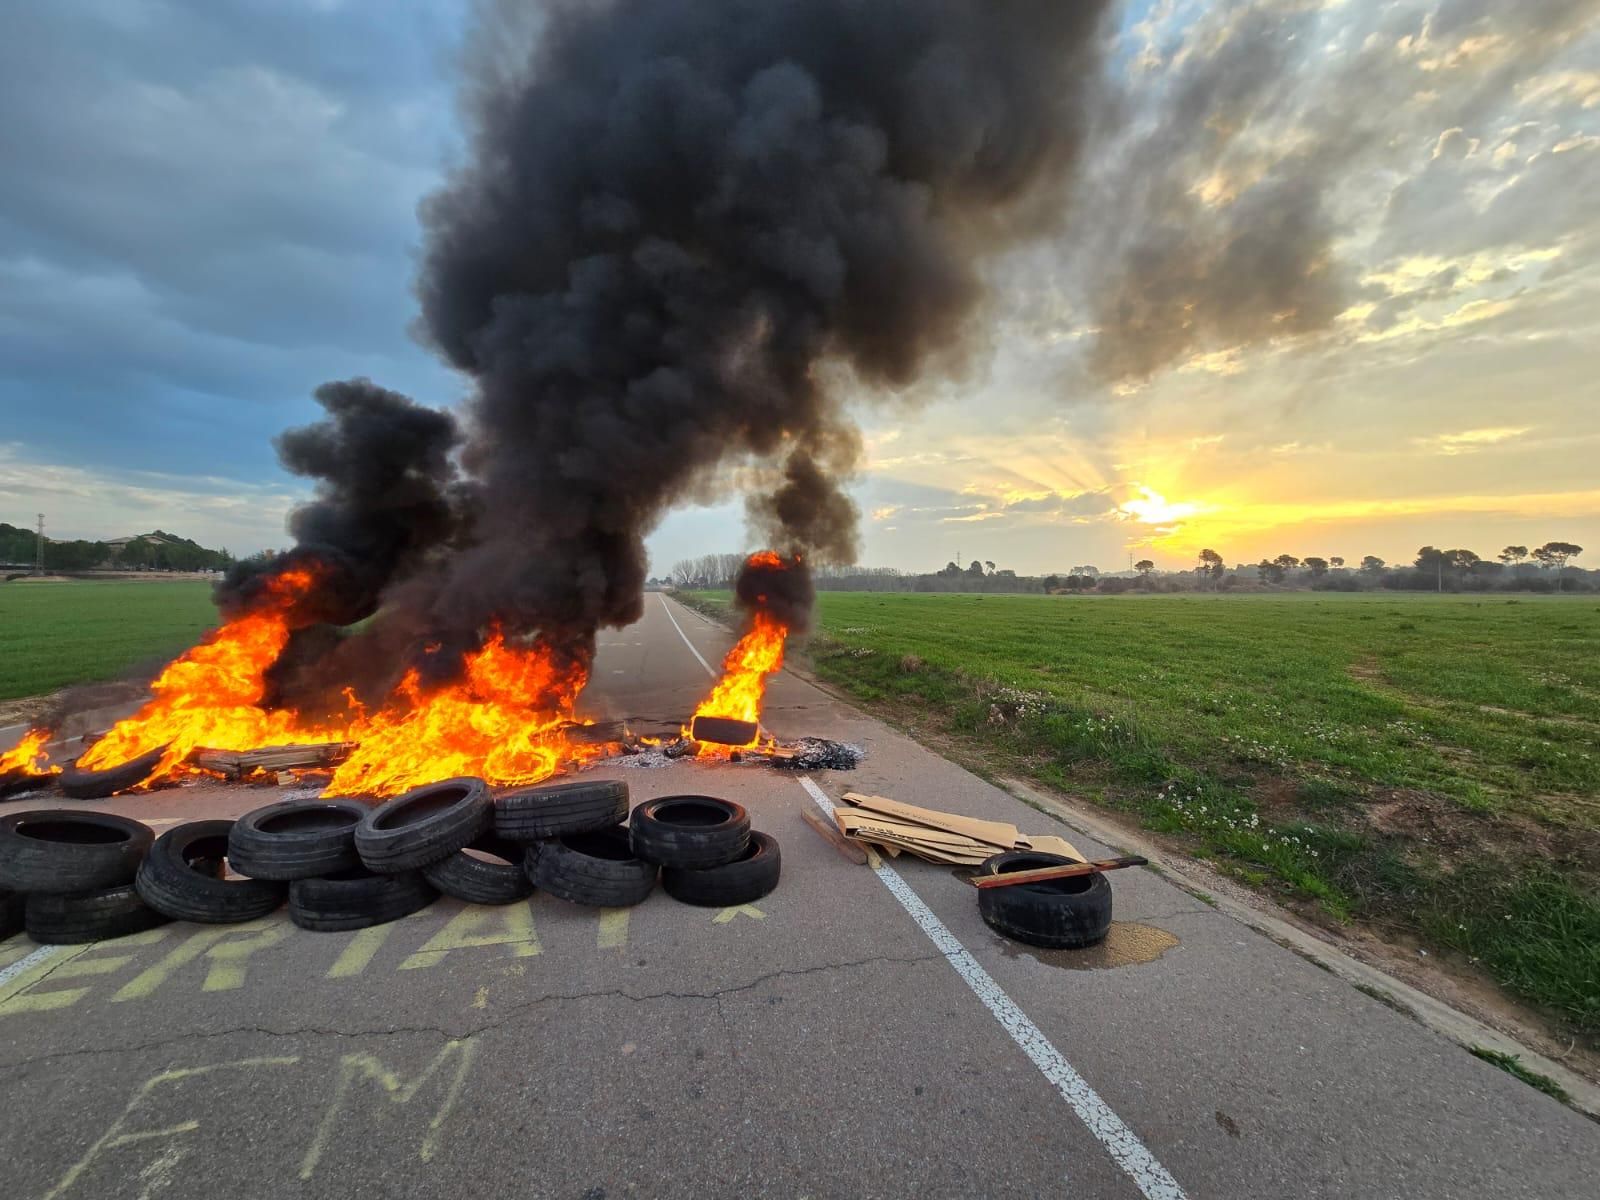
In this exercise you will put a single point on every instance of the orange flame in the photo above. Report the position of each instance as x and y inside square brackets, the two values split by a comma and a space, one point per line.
[506, 721]
[754, 657]
[210, 695]
[758, 654]
[29, 756]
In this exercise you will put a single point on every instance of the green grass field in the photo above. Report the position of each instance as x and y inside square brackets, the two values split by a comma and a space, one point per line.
[1430, 766]
[56, 634]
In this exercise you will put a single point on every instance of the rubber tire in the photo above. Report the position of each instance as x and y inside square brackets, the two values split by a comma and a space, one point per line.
[739, 882]
[464, 876]
[1056, 914]
[11, 906]
[12, 782]
[582, 806]
[424, 825]
[597, 868]
[97, 785]
[31, 864]
[69, 920]
[357, 899]
[182, 878]
[297, 839]
[663, 835]
[725, 731]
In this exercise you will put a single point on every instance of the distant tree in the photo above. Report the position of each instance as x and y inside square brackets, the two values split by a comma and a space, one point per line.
[1144, 566]
[137, 554]
[1211, 565]
[1317, 566]
[988, 567]
[1336, 562]
[1512, 555]
[1287, 561]
[1429, 558]
[1090, 572]
[976, 568]
[1461, 560]
[1050, 582]
[1372, 564]
[950, 570]
[1079, 583]
[1556, 554]
[1271, 572]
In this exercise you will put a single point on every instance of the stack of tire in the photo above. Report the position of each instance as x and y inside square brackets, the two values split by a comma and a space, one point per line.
[582, 845]
[69, 877]
[73, 876]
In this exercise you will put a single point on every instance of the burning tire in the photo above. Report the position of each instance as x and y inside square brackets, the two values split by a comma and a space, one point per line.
[690, 832]
[182, 878]
[12, 782]
[467, 875]
[67, 920]
[739, 882]
[725, 731]
[356, 899]
[597, 868]
[96, 785]
[1057, 914]
[296, 839]
[11, 906]
[61, 850]
[425, 825]
[561, 808]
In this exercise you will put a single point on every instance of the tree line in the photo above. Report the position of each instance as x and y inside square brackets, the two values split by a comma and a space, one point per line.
[1546, 568]
[156, 551]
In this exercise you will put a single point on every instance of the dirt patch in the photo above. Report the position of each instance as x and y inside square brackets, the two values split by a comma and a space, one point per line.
[1366, 670]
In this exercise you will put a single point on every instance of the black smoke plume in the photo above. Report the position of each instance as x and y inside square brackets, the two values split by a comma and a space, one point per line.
[672, 214]
[384, 497]
[779, 585]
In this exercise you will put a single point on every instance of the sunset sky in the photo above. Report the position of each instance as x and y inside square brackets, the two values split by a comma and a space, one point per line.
[1326, 286]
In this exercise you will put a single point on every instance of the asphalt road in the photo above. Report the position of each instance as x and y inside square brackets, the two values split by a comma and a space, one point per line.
[855, 1034]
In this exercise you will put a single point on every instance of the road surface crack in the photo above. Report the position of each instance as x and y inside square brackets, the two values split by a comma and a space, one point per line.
[511, 1012]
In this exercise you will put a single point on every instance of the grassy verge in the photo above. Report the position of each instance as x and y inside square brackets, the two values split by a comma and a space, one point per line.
[56, 634]
[1429, 767]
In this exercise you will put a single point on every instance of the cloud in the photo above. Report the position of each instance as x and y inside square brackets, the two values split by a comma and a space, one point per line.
[206, 211]
[1470, 440]
[97, 504]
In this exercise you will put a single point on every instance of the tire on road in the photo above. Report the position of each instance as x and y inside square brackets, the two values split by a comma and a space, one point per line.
[1056, 914]
[59, 850]
[12, 782]
[182, 878]
[83, 784]
[726, 731]
[11, 906]
[739, 882]
[424, 825]
[692, 832]
[69, 919]
[555, 809]
[467, 875]
[296, 839]
[357, 899]
[597, 868]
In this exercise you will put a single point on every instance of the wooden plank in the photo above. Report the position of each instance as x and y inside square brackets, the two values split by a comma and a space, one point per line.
[1066, 871]
[834, 838]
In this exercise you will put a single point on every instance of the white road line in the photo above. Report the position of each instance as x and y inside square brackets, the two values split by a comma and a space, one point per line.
[27, 963]
[1121, 1143]
[668, 610]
